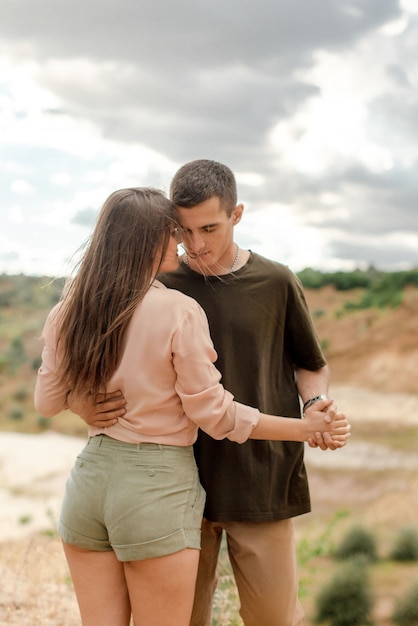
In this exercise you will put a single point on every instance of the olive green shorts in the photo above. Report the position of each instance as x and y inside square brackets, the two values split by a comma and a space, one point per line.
[140, 500]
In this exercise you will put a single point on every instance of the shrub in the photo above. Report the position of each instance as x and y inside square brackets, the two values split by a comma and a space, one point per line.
[16, 413]
[406, 608]
[406, 545]
[346, 600]
[357, 542]
[325, 344]
[44, 423]
[36, 363]
[15, 355]
[21, 394]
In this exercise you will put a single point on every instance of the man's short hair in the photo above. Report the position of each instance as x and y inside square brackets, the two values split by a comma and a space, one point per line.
[202, 179]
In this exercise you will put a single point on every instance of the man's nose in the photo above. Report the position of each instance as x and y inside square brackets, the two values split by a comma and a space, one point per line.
[194, 242]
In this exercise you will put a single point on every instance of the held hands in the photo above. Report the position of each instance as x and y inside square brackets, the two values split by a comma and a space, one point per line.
[101, 411]
[329, 429]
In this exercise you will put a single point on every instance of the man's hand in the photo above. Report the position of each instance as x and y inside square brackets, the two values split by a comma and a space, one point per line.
[101, 411]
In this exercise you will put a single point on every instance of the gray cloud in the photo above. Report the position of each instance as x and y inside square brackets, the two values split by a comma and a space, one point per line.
[393, 258]
[192, 79]
[85, 217]
[259, 33]
[188, 78]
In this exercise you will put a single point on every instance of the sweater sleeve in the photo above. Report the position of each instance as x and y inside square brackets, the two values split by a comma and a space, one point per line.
[50, 397]
[204, 399]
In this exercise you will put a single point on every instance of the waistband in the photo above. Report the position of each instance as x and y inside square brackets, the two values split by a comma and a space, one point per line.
[98, 441]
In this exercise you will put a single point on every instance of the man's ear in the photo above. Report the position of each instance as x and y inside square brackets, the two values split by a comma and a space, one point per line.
[237, 214]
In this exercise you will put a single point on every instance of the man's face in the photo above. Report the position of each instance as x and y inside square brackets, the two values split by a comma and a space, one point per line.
[207, 233]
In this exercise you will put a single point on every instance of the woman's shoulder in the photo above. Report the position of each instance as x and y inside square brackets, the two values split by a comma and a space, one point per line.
[164, 296]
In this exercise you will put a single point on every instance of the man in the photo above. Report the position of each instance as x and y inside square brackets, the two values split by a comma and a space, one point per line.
[269, 357]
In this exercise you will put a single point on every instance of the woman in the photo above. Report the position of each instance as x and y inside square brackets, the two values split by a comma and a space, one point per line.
[130, 521]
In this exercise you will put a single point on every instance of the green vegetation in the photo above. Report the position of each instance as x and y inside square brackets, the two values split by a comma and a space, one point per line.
[24, 304]
[406, 609]
[357, 542]
[378, 289]
[30, 292]
[346, 599]
[406, 545]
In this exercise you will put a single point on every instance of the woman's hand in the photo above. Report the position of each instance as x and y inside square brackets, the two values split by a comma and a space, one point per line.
[329, 429]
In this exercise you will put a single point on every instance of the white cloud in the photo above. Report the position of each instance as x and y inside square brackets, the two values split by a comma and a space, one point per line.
[61, 179]
[22, 187]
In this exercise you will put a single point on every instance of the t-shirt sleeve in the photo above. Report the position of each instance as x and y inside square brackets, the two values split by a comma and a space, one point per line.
[304, 344]
[204, 399]
[50, 396]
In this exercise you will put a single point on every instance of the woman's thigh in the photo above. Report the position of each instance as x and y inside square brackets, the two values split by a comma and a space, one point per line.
[100, 587]
[161, 589]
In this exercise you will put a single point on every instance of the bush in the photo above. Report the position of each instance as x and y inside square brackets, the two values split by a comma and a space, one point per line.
[15, 355]
[346, 600]
[16, 413]
[406, 609]
[44, 423]
[21, 394]
[36, 363]
[357, 542]
[406, 545]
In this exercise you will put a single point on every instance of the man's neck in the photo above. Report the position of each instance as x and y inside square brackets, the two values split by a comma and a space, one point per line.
[240, 259]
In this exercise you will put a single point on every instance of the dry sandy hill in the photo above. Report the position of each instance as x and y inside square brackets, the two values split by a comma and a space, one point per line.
[373, 348]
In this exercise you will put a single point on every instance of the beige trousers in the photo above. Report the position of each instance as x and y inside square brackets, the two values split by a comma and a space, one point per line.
[263, 559]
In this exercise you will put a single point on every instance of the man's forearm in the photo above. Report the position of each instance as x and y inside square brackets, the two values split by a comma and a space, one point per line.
[312, 384]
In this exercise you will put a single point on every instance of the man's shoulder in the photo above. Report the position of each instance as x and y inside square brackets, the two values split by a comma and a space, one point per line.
[275, 269]
[258, 268]
[180, 279]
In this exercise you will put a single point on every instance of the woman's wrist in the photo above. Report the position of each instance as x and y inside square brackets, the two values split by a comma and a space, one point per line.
[306, 430]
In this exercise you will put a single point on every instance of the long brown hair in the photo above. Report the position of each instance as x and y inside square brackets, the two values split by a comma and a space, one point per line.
[127, 245]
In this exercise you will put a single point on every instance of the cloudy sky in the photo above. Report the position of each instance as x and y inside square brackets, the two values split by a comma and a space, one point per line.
[313, 104]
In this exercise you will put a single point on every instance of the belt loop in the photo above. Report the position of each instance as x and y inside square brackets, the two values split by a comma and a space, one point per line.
[97, 440]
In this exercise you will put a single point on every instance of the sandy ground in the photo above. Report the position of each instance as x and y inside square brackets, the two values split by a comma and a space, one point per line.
[33, 471]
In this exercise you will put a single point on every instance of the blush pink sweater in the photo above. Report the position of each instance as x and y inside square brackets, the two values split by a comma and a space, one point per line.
[166, 374]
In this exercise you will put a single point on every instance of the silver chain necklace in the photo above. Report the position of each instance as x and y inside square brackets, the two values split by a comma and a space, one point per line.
[234, 264]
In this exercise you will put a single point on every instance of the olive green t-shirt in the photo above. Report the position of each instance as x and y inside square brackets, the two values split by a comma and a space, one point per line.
[261, 329]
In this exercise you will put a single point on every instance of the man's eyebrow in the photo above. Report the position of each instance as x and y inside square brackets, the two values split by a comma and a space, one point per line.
[200, 227]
